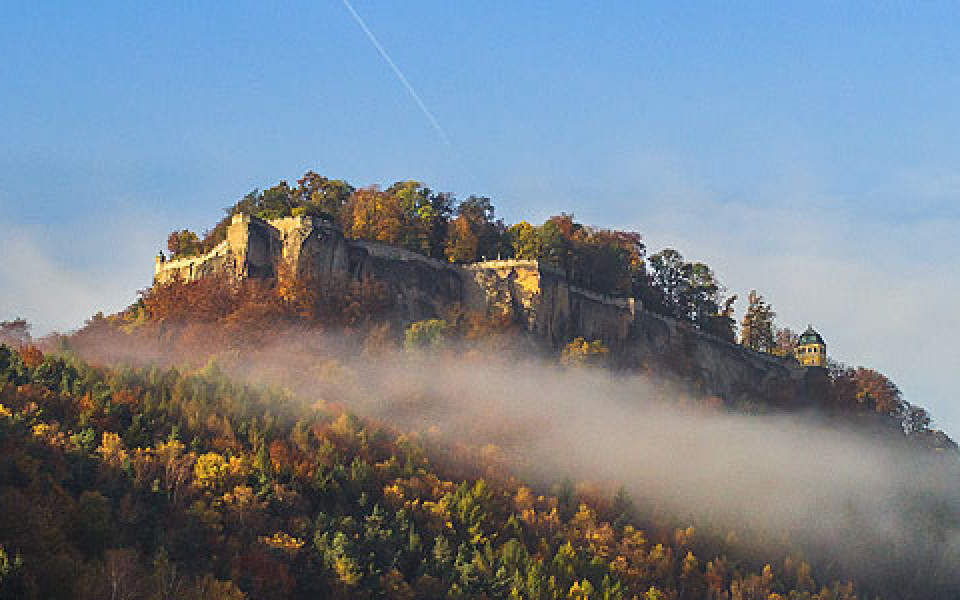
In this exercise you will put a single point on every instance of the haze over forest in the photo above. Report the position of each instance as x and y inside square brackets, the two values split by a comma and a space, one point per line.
[806, 144]
[221, 469]
[741, 173]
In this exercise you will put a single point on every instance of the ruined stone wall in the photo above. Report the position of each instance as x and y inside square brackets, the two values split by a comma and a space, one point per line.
[255, 248]
[195, 267]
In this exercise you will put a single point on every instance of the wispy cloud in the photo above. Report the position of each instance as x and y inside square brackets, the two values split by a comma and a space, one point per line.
[57, 276]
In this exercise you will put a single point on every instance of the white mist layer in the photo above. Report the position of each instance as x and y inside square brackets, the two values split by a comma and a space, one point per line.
[769, 471]
[862, 499]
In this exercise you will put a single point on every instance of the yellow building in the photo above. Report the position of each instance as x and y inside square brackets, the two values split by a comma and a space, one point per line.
[811, 351]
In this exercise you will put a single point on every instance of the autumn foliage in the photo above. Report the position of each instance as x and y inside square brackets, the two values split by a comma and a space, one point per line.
[410, 215]
[150, 483]
[331, 300]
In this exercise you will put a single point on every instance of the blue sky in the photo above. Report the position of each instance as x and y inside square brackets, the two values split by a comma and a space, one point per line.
[808, 150]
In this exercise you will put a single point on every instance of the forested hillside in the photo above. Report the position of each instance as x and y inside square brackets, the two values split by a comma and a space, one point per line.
[411, 215]
[278, 438]
[179, 482]
[155, 483]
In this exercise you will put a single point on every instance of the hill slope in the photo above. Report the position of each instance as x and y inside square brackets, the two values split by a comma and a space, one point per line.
[168, 484]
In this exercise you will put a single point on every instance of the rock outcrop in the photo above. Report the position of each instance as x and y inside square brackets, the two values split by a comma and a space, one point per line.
[533, 294]
[540, 297]
[716, 367]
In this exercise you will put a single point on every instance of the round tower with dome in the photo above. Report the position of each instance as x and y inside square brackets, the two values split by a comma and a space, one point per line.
[811, 351]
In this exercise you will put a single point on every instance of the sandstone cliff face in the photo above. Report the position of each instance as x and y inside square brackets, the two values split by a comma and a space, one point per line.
[531, 293]
[539, 297]
[312, 247]
[542, 300]
[421, 288]
[716, 367]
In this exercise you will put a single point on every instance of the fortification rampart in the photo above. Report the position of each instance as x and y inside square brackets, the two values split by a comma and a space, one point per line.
[515, 263]
[388, 252]
[533, 294]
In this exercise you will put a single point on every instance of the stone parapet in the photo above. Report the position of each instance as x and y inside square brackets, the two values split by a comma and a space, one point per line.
[515, 263]
[188, 268]
[624, 302]
[388, 252]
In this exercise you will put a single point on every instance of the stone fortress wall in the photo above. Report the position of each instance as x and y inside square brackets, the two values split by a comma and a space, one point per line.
[533, 294]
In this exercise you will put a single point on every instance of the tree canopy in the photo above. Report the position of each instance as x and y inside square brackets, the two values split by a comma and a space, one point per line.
[410, 215]
[179, 483]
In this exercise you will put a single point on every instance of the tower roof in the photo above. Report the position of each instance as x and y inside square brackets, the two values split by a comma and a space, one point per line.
[810, 336]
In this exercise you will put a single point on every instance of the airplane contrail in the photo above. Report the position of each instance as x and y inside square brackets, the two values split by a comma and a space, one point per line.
[406, 83]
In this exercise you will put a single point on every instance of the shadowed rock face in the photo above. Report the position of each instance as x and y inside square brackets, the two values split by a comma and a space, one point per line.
[716, 367]
[420, 289]
[531, 293]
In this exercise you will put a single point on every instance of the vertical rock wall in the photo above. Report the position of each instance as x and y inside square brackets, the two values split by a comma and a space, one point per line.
[420, 287]
[534, 295]
[714, 367]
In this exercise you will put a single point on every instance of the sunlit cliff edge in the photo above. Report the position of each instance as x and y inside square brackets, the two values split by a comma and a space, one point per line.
[533, 294]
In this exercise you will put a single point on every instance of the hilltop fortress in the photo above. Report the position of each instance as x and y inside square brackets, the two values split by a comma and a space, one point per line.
[532, 293]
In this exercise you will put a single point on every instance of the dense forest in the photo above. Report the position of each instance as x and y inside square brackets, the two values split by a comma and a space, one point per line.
[179, 450]
[167, 483]
[171, 479]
